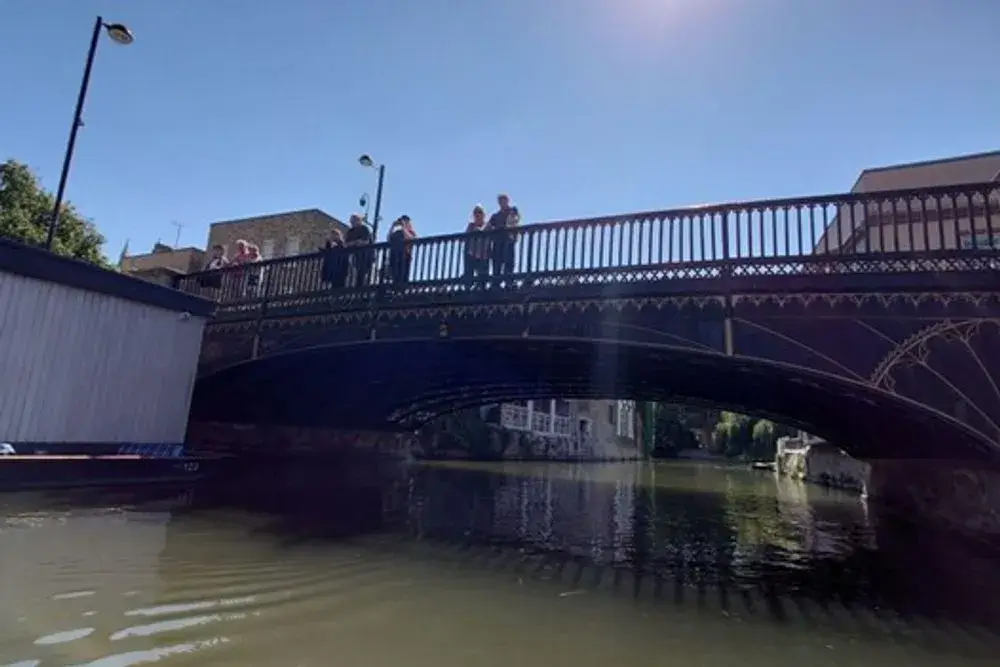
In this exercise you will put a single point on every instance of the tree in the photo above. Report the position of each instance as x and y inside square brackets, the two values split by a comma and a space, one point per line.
[672, 430]
[25, 211]
[765, 439]
[733, 434]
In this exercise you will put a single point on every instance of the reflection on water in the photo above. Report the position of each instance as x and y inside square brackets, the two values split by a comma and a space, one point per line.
[481, 565]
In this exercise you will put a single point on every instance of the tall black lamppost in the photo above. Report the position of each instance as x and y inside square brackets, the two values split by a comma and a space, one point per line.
[119, 34]
[366, 161]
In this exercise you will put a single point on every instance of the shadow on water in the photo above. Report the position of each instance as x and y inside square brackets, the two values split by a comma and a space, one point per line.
[699, 535]
[698, 538]
[703, 536]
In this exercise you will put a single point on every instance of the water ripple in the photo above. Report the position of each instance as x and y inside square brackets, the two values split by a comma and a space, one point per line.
[182, 607]
[65, 636]
[173, 625]
[154, 654]
[469, 570]
[73, 595]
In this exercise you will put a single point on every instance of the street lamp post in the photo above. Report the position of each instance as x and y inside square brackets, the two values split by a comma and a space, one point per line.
[363, 203]
[119, 34]
[366, 161]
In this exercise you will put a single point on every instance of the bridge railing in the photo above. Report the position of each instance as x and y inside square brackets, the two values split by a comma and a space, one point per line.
[945, 228]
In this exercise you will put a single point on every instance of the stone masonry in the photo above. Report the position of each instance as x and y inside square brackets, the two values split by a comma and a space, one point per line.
[181, 260]
[277, 234]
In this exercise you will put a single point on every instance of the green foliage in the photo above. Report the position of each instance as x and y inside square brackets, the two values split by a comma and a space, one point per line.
[763, 434]
[25, 210]
[460, 432]
[740, 436]
[733, 435]
[673, 429]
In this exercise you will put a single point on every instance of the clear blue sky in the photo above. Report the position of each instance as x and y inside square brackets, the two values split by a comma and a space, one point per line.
[231, 108]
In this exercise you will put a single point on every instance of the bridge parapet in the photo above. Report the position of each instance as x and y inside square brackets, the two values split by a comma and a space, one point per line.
[740, 247]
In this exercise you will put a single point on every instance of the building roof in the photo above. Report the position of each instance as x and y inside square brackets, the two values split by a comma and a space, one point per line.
[273, 216]
[972, 168]
[956, 170]
[165, 250]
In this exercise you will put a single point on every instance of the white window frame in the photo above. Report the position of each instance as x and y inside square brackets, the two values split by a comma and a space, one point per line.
[625, 419]
[536, 418]
[267, 249]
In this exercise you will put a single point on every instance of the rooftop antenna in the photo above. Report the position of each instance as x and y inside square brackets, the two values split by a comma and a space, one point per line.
[177, 237]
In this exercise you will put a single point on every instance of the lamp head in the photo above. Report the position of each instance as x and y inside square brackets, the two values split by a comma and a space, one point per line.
[119, 33]
[366, 161]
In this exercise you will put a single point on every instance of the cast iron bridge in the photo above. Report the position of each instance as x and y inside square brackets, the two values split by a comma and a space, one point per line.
[867, 318]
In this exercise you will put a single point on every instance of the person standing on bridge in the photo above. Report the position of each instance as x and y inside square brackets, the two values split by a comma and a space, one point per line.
[216, 263]
[239, 275]
[359, 240]
[477, 248]
[504, 242]
[334, 269]
[401, 237]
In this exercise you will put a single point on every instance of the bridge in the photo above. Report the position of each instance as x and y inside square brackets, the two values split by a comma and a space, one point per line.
[871, 319]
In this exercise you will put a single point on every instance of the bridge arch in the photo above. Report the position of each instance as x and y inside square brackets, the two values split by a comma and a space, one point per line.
[404, 383]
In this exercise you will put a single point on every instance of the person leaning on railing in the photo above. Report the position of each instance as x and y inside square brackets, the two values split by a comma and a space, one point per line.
[254, 274]
[216, 262]
[401, 236]
[235, 280]
[504, 244]
[334, 269]
[477, 248]
[359, 238]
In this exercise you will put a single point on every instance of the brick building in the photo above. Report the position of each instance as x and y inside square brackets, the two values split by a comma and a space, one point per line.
[277, 234]
[163, 263]
[921, 224]
[602, 429]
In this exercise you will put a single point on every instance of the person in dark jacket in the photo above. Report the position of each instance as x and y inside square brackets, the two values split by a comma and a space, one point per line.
[477, 248]
[401, 236]
[358, 240]
[334, 271]
[504, 242]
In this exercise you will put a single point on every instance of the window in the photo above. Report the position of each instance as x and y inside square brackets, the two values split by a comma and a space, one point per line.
[625, 426]
[561, 408]
[267, 249]
[980, 241]
[292, 246]
[612, 413]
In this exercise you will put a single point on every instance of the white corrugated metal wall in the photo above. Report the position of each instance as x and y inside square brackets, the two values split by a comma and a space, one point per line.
[81, 367]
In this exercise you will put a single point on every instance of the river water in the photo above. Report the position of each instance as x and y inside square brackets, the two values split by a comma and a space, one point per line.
[447, 565]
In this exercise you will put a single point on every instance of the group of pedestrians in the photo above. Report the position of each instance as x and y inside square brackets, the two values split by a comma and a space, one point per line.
[343, 269]
[488, 245]
[488, 249]
[349, 257]
[247, 254]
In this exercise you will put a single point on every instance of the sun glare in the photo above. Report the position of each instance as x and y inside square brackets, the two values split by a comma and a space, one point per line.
[653, 19]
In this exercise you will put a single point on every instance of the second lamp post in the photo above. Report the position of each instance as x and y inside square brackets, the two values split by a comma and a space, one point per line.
[366, 161]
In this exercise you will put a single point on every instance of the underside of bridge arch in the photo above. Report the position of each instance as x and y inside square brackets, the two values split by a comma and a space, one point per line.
[403, 384]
